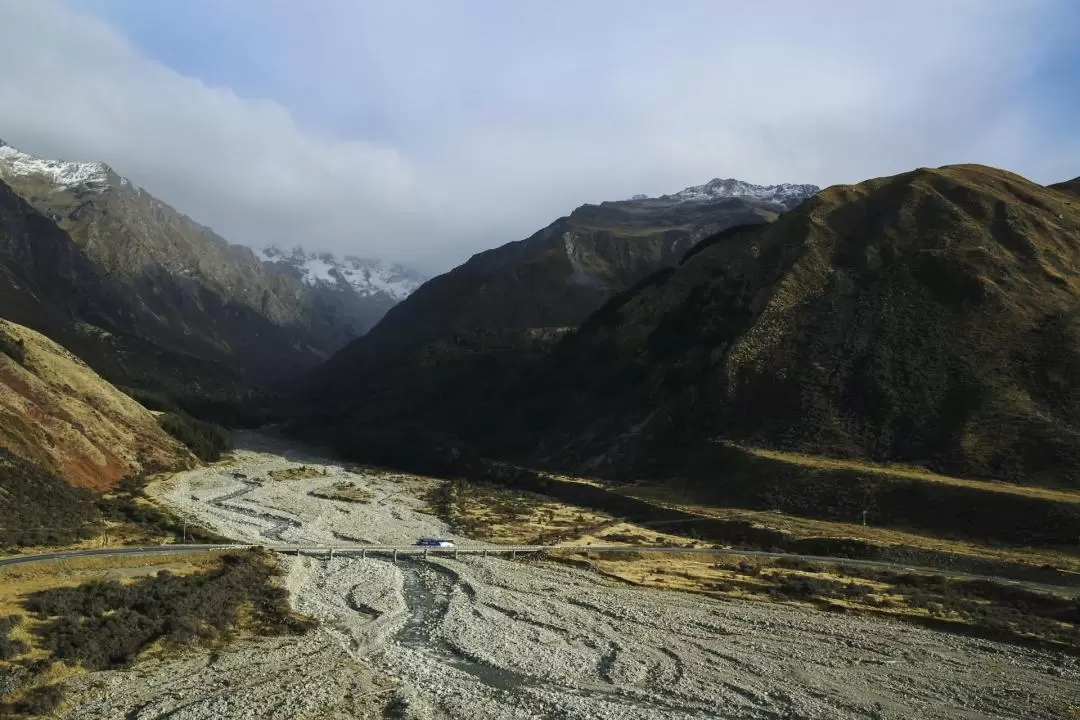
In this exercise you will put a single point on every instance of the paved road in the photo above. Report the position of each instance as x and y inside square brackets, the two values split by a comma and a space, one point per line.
[395, 551]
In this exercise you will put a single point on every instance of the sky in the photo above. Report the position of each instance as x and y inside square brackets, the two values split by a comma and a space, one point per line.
[424, 131]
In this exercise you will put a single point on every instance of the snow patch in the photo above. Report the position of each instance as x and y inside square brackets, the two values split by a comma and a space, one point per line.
[366, 276]
[61, 174]
[787, 194]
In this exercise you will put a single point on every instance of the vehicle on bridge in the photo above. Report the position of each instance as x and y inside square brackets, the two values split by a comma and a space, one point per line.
[435, 542]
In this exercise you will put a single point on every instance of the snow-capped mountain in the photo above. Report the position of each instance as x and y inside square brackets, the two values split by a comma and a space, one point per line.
[366, 276]
[787, 194]
[61, 174]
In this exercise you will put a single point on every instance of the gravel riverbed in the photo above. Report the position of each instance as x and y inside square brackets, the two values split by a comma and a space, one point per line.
[494, 638]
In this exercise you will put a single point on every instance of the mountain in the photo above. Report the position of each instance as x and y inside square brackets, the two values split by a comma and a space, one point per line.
[1070, 187]
[363, 289]
[60, 415]
[172, 285]
[786, 195]
[51, 285]
[931, 319]
[365, 276]
[559, 275]
[508, 306]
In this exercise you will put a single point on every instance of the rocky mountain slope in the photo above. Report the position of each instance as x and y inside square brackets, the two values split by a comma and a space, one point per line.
[929, 318]
[62, 416]
[787, 195]
[51, 285]
[196, 293]
[367, 277]
[357, 290]
[479, 322]
[559, 275]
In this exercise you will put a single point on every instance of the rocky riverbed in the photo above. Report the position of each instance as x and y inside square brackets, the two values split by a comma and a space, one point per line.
[494, 638]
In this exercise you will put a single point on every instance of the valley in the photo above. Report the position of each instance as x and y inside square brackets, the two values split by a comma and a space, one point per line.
[492, 638]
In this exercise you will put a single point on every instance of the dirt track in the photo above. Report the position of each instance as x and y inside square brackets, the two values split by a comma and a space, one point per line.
[491, 638]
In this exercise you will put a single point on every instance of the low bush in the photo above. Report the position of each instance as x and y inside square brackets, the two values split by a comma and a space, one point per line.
[106, 624]
[38, 508]
[10, 648]
[207, 440]
[38, 701]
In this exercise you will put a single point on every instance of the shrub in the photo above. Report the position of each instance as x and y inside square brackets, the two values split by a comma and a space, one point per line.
[10, 648]
[40, 700]
[38, 508]
[106, 624]
[207, 440]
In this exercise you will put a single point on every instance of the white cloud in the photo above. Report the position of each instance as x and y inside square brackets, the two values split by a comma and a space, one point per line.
[505, 115]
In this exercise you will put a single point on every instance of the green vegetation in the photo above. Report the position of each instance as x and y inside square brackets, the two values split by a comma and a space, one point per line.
[38, 508]
[37, 701]
[106, 624]
[9, 647]
[989, 608]
[127, 504]
[207, 440]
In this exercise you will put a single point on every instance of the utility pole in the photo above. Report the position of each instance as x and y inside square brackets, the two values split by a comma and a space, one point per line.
[183, 538]
[864, 517]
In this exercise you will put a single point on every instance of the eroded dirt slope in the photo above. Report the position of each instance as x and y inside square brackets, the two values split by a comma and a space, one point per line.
[60, 414]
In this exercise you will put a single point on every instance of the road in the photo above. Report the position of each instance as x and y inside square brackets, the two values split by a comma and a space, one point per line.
[414, 551]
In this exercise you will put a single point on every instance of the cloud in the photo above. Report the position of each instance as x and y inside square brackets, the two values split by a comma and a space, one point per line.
[429, 131]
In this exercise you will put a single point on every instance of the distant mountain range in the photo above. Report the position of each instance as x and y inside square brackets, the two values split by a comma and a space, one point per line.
[785, 195]
[461, 335]
[367, 277]
[168, 290]
[929, 319]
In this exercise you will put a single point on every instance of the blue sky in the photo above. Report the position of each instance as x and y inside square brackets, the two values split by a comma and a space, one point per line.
[425, 131]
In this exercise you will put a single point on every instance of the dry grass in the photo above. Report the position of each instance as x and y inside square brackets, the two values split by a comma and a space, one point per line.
[796, 526]
[510, 517]
[505, 516]
[344, 491]
[731, 577]
[297, 473]
[60, 414]
[19, 581]
[914, 473]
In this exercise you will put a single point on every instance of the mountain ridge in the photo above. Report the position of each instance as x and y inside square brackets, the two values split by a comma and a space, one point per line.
[787, 195]
[189, 289]
[925, 318]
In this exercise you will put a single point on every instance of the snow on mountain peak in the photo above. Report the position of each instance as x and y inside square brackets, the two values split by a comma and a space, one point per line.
[787, 194]
[367, 276]
[61, 174]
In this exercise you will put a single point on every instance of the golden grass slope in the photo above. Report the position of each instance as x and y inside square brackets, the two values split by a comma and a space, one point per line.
[60, 414]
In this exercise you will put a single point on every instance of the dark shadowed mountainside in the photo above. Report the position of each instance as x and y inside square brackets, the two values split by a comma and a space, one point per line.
[49, 284]
[448, 351]
[1070, 187]
[930, 318]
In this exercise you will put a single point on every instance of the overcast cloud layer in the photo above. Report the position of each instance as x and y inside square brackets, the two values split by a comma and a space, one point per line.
[427, 131]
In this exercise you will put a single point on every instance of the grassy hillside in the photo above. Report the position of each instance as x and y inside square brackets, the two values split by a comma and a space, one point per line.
[927, 318]
[58, 413]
